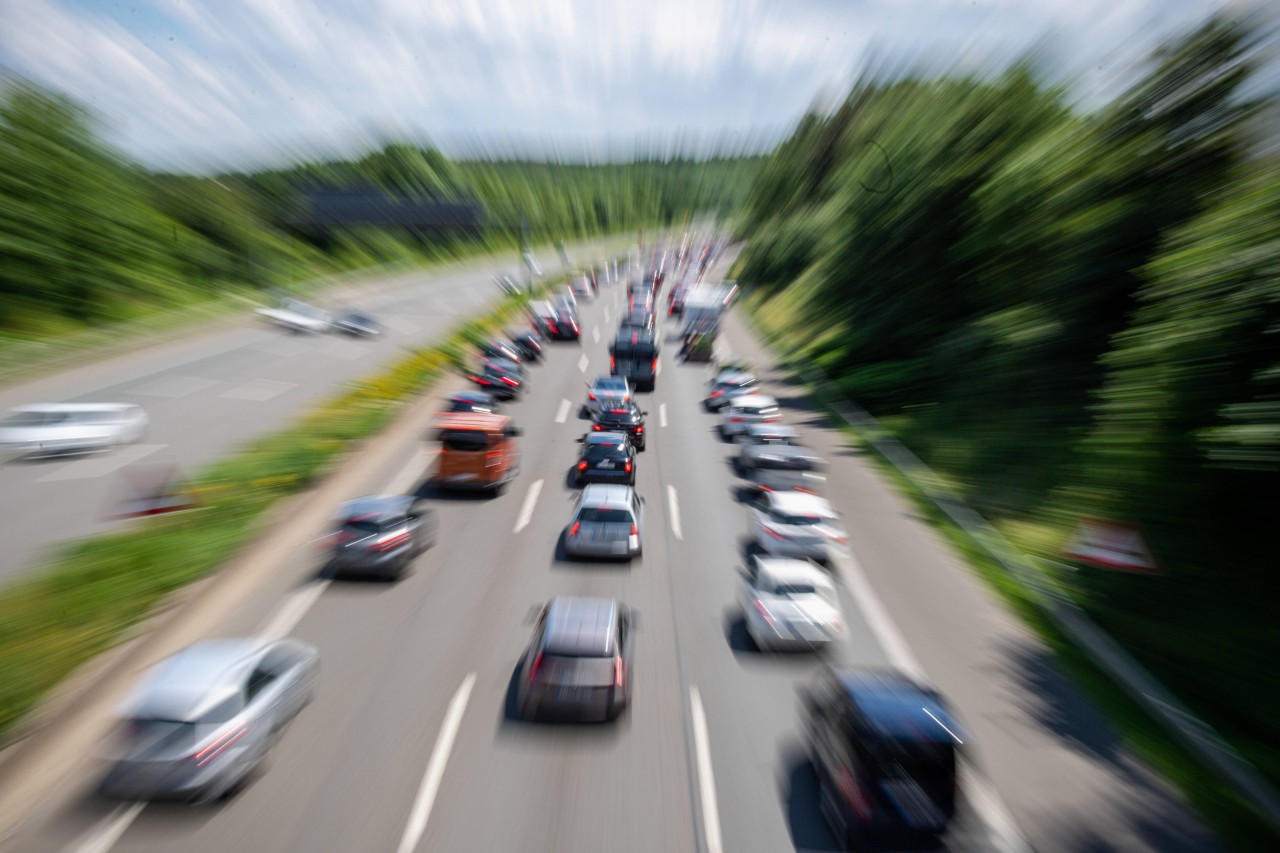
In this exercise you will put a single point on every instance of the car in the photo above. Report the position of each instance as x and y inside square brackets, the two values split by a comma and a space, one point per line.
[727, 386]
[542, 318]
[747, 409]
[472, 401]
[608, 521]
[774, 432]
[583, 287]
[886, 751]
[298, 316]
[795, 524]
[606, 457]
[501, 378]
[779, 467]
[203, 719]
[497, 348]
[634, 354]
[358, 324]
[566, 326]
[579, 660]
[607, 392]
[789, 604]
[627, 419]
[54, 429]
[528, 344]
[381, 535]
[477, 452]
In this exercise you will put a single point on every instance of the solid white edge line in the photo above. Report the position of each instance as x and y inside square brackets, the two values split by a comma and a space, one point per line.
[562, 412]
[662, 415]
[435, 768]
[104, 835]
[292, 611]
[706, 776]
[675, 512]
[526, 510]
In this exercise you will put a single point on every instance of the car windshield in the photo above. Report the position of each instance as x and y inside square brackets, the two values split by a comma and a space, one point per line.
[604, 515]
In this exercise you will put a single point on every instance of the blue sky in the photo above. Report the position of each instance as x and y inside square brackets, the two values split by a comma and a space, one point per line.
[195, 84]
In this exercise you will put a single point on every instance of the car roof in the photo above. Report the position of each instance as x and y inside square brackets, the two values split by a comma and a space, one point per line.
[800, 503]
[635, 335]
[581, 627]
[789, 570]
[757, 400]
[736, 377]
[186, 686]
[605, 438]
[782, 451]
[773, 429]
[473, 420]
[898, 707]
[607, 495]
[377, 507]
[74, 407]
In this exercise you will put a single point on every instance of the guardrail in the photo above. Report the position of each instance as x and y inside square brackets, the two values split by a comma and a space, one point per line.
[1195, 734]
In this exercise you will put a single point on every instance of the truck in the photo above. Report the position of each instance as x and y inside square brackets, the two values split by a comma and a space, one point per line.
[703, 310]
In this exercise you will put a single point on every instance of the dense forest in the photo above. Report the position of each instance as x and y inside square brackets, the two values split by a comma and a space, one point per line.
[1067, 315]
[87, 237]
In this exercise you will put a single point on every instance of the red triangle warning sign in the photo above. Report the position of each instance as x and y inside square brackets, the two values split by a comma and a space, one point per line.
[1112, 545]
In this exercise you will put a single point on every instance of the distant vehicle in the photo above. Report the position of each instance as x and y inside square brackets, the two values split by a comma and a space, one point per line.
[747, 409]
[638, 320]
[357, 324]
[626, 419]
[297, 316]
[500, 377]
[529, 344]
[54, 429]
[606, 457]
[885, 750]
[473, 401]
[579, 660]
[607, 392]
[204, 719]
[795, 524]
[381, 535]
[498, 348]
[608, 521]
[582, 286]
[726, 386]
[767, 433]
[634, 355]
[477, 452]
[566, 326]
[542, 318]
[782, 467]
[789, 604]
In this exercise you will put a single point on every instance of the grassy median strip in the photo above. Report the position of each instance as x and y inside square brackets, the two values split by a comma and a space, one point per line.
[1234, 819]
[91, 592]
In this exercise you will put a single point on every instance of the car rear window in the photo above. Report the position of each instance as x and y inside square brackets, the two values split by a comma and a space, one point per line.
[464, 440]
[606, 451]
[786, 463]
[763, 411]
[362, 525]
[799, 520]
[607, 516]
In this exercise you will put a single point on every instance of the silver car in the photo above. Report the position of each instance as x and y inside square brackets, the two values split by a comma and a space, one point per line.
[789, 604]
[58, 428]
[748, 409]
[205, 718]
[608, 521]
[795, 524]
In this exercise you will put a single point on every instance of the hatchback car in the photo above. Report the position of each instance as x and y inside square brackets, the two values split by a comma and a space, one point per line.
[606, 457]
[498, 348]
[745, 410]
[885, 749]
[579, 660]
[381, 535]
[789, 604]
[65, 428]
[607, 392]
[472, 401]
[357, 324]
[205, 718]
[608, 521]
[528, 343]
[502, 378]
[795, 524]
[565, 323]
[727, 386]
[625, 419]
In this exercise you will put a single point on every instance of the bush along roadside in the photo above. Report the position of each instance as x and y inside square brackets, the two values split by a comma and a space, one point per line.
[86, 598]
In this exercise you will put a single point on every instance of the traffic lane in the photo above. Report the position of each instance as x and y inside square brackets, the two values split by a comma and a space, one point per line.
[1063, 773]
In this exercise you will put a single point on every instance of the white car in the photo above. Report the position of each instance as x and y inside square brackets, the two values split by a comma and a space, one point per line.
[795, 524]
[746, 410]
[607, 392]
[789, 604]
[298, 317]
[59, 428]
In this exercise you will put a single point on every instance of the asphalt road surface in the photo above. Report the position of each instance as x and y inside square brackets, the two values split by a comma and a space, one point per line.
[411, 744]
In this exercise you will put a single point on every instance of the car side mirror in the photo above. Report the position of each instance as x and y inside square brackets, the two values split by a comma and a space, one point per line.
[515, 431]
[645, 414]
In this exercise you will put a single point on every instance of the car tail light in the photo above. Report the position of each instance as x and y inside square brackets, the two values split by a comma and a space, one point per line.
[806, 491]
[619, 671]
[220, 746]
[613, 364]
[582, 465]
[480, 380]
[735, 420]
[639, 429]
[573, 531]
[715, 394]
[491, 458]
[537, 664]
[590, 396]
[775, 534]
[391, 542]
[626, 469]
[634, 531]
[654, 366]
[764, 611]
[509, 381]
[552, 326]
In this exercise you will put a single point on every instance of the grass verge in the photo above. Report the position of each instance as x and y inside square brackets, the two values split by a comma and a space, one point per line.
[1232, 817]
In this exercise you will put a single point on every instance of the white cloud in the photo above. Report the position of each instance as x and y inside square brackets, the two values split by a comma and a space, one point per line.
[190, 79]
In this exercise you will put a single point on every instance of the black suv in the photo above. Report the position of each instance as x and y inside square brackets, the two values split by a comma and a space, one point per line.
[625, 419]
[885, 751]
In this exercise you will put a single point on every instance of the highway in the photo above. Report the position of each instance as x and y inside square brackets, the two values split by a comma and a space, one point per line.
[211, 392]
[411, 744]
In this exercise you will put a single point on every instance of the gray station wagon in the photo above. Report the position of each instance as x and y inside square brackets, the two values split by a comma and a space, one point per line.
[579, 660]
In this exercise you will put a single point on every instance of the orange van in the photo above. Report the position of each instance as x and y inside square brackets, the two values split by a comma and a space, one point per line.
[477, 451]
